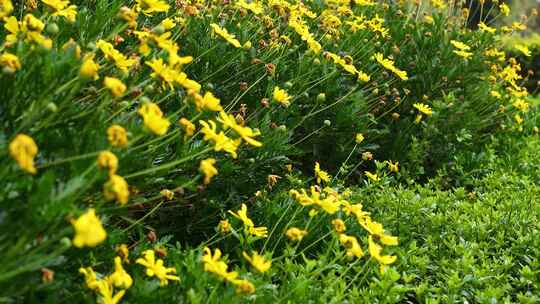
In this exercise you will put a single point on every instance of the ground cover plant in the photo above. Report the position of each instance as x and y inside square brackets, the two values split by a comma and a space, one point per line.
[265, 151]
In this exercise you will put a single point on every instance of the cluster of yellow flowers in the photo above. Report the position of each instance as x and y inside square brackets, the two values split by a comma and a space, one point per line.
[29, 28]
[214, 264]
[120, 279]
[331, 202]
[462, 50]
[347, 64]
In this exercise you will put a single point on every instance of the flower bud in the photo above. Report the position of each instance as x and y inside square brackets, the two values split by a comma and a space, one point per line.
[158, 30]
[51, 106]
[52, 29]
[66, 242]
[321, 97]
[288, 85]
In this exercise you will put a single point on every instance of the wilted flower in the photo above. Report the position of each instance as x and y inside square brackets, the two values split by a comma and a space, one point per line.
[117, 136]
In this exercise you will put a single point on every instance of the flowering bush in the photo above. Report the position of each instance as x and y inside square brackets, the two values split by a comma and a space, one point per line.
[204, 150]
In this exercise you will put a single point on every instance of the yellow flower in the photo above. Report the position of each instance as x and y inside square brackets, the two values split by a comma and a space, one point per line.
[347, 65]
[208, 102]
[463, 54]
[148, 7]
[460, 45]
[221, 141]
[88, 230]
[393, 167]
[375, 251]
[295, 234]
[243, 286]
[208, 169]
[128, 15]
[168, 23]
[495, 94]
[255, 7]
[321, 174]
[189, 127]
[377, 230]
[462, 49]
[523, 49]
[167, 194]
[246, 133]
[29, 28]
[115, 85]
[13, 29]
[117, 136]
[389, 65]
[484, 28]
[372, 176]
[519, 120]
[438, 4]
[242, 215]
[10, 61]
[155, 268]
[213, 264]
[90, 277]
[106, 291]
[261, 232]
[153, 118]
[258, 262]
[188, 84]
[89, 68]
[107, 160]
[72, 46]
[23, 149]
[248, 223]
[518, 26]
[359, 138]
[422, 109]
[330, 204]
[225, 35]
[505, 9]
[224, 226]
[313, 212]
[6, 7]
[282, 96]
[112, 54]
[339, 225]
[120, 278]
[62, 8]
[116, 189]
[164, 72]
[352, 245]
[123, 251]
[31, 23]
[521, 105]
